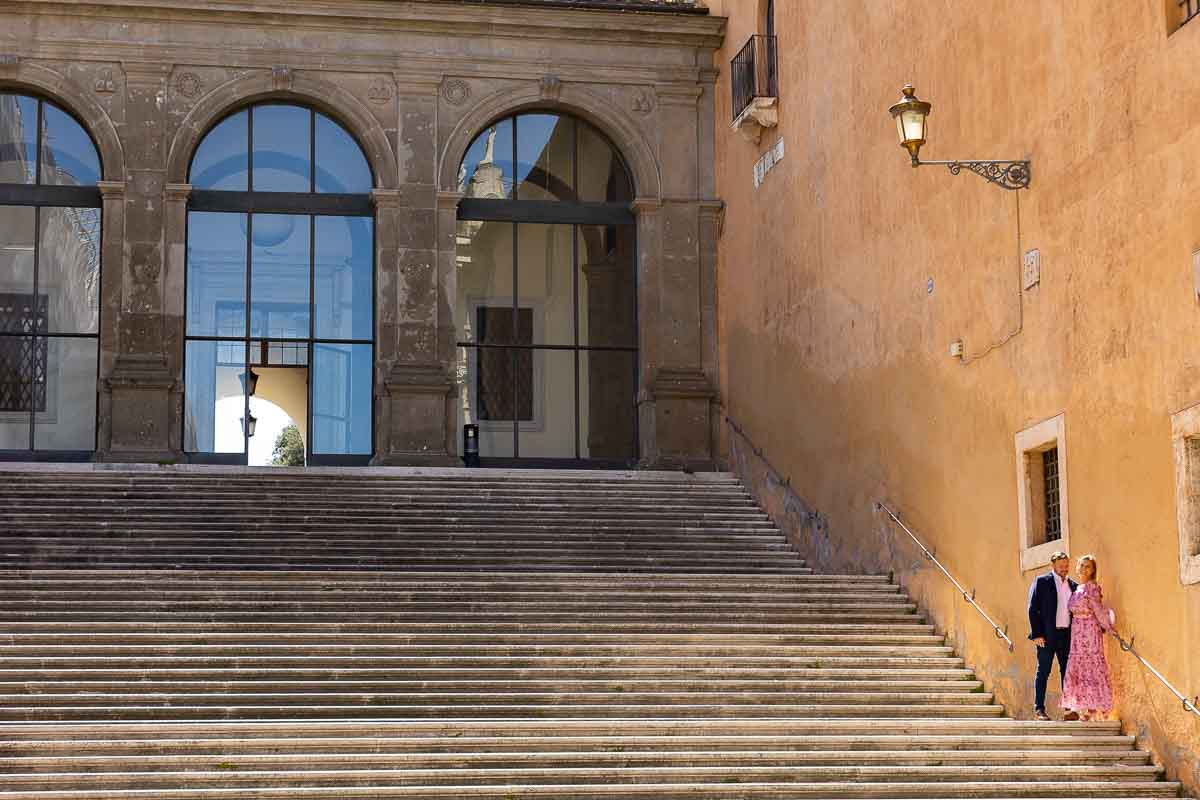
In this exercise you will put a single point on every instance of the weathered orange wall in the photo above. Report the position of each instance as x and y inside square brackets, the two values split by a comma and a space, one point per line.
[835, 356]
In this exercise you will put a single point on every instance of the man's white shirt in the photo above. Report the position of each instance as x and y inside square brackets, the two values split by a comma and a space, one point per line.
[1062, 618]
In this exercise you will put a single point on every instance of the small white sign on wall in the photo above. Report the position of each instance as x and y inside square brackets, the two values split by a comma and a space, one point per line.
[766, 162]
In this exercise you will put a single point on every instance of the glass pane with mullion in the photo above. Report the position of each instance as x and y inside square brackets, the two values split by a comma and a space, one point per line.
[602, 174]
[341, 399]
[340, 165]
[343, 278]
[545, 157]
[19, 313]
[545, 263]
[487, 169]
[216, 274]
[215, 400]
[279, 276]
[66, 417]
[607, 286]
[222, 160]
[282, 156]
[69, 268]
[608, 382]
[18, 138]
[496, 439]
[69, 157]
[545, 399]
[485, 287]
[19, 357]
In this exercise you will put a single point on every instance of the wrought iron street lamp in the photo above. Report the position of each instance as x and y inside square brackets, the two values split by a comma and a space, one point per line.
[911, 115]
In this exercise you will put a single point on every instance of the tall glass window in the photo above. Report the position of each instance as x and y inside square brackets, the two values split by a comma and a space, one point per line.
[280, 286]
[49, 280]
[547, 293]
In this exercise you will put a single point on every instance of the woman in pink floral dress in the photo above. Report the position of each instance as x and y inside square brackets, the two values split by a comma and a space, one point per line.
[1086, 688]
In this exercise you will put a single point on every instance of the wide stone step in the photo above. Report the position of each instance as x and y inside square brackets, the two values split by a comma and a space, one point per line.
[961, 679]
[425, 565]
[1044, 790]
[855, 642]
[627, 711]
[469, 538]
[236, 683]
[140, 624]
[555, 759]
[259, 660]
[820, 749]
[427, 579]
[518, 729]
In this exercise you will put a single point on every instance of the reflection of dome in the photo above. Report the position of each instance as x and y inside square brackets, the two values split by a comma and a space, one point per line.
[270, 229]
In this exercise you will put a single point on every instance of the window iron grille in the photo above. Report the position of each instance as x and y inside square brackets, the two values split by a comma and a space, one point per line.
[23, 357]
[1050, 485]
[753, 73]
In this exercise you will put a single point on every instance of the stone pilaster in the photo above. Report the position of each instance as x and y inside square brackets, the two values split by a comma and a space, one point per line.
[140, 383]
[416, 408]
[676, 401]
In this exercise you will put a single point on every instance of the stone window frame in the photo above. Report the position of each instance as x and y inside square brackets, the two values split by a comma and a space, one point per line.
[1185, 436]
[1030, 441]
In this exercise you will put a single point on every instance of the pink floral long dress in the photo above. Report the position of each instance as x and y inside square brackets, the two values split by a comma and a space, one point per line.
[1086, 685]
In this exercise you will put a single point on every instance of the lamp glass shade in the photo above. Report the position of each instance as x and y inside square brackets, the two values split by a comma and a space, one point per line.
[249, 423]
[910, 124]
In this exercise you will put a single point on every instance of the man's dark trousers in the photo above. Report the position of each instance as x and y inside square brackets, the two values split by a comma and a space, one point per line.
[1060, 647]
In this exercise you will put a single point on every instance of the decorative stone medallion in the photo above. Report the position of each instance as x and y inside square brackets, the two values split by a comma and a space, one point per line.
[379, 92]
[642, 103]
[189, 85]
[456, 91]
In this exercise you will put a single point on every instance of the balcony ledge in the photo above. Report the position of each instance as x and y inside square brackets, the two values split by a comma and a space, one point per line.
[762, 113]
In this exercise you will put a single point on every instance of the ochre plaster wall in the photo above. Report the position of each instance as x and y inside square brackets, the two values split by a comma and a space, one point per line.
[834, 349]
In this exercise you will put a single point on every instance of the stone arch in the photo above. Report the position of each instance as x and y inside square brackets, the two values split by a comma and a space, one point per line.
[83, 105]
[633, 146]
[326, 97]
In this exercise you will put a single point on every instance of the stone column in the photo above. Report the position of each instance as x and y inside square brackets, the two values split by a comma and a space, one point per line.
[415, 405]
[140, 384]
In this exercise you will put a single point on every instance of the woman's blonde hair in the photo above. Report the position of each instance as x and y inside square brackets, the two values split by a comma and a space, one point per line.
[1088, 559]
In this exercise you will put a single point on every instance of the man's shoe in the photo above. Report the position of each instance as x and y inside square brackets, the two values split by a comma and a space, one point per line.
[1070, 716]
[1041, 716]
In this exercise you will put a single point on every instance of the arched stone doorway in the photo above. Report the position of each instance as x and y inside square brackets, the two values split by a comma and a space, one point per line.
[546, 303]
[279, 285]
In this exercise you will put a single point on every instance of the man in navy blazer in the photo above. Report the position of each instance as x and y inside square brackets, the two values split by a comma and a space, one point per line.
[1050, 627]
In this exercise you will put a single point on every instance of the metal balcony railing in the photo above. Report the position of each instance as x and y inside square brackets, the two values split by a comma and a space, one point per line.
[753, 73]
[1188, 10]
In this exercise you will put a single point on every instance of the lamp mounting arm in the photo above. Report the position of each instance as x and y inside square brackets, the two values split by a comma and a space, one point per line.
[1005, 174]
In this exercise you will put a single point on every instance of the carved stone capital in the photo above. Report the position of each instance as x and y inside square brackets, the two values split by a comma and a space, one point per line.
[177, 192]
[687, 95]
[646, 206]
[387, 198]
[551, 88]
[10, 63]
[139, 75]
[409, 85]
[111, 190]
[449, 200]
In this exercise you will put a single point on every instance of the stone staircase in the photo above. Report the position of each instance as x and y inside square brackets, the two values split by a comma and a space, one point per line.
[196, 633]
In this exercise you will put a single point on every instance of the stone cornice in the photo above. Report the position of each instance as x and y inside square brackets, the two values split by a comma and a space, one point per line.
[655, 29]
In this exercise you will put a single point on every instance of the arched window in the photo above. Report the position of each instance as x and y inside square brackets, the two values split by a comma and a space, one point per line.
[49, 280]
[547, 293]
[280, 287]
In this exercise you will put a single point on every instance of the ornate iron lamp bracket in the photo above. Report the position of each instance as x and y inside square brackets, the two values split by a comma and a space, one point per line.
[1005, 174]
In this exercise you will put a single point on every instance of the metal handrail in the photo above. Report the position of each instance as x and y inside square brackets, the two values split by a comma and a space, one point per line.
[1192, 705]
[1001, 633]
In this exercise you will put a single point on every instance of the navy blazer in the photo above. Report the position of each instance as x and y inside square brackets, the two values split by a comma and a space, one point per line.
[1043, 607]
